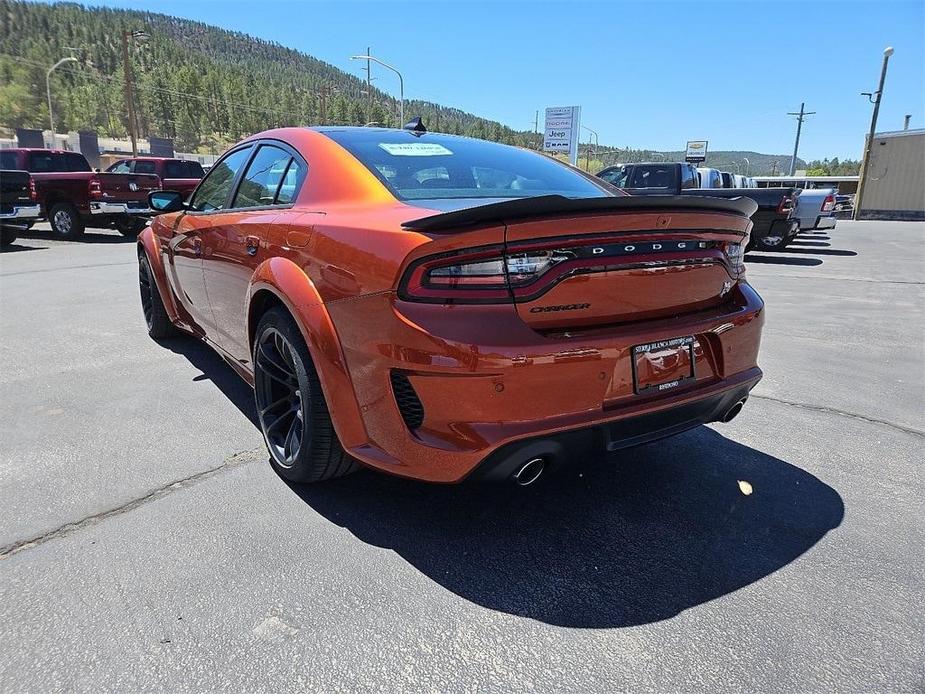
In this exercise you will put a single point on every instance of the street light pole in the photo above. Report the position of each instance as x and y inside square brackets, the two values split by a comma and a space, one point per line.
[748, 165]
[865, 163]
[51, 116]
[401, 82]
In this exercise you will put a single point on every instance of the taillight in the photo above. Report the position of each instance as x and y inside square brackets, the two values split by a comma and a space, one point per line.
[829, 204]
[735, 253]
[785, 206]
[94, 188]
[33, 196]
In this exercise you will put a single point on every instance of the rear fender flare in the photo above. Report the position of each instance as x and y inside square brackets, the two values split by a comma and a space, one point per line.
[149, 245]
[295, 290]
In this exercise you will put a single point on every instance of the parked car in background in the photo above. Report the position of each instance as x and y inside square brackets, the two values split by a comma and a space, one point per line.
[440, 307]
[710, 178]
[73, 196]
[774, 222]
[816, 208]
[728, 179]
[181, 175]
[18, 207]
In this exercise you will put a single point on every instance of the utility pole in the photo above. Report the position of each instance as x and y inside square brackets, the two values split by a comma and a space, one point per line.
[796, 145]
[536, 129]
[865, 163]
[323, 93]
[129, 92]
[906, 121]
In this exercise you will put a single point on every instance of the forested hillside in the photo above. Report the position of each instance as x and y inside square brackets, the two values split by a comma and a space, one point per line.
[206, 87]
[195, 83]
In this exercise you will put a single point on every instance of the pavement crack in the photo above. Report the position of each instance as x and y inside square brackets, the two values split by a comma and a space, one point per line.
[843, 413]
[232, 461]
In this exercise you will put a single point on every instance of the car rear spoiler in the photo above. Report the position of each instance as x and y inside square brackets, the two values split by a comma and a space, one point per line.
[523, 209]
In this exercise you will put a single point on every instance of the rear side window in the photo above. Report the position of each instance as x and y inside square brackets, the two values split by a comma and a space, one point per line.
[7, 161]
[263, 177]
[292, 181]
[212, 194]
[145, 167]
[183, 169]
[43, 162]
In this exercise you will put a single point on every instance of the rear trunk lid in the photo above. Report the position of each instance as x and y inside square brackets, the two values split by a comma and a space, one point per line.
[600, 261]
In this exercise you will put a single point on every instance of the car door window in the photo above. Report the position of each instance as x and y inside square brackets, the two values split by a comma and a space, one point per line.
[263, 177]
[292, 181]
[120, 167]
[144, 167]
[212, 194]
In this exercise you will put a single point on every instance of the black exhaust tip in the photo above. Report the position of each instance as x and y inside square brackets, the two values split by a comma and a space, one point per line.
[529, 472]
[733, 411]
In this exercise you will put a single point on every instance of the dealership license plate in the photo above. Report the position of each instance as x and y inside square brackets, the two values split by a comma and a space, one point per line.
[663, 365]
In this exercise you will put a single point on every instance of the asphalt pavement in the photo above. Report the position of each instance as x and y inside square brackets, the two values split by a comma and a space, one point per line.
[146, 544]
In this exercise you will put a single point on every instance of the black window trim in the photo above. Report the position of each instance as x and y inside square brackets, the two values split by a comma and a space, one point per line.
[254, 146]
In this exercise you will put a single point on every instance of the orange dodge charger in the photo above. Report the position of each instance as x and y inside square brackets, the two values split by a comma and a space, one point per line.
[440, 307]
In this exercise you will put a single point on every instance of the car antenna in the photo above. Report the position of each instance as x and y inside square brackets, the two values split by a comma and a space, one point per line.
[416, 126]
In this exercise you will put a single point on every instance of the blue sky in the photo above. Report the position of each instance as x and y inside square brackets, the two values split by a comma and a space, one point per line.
[647, 74]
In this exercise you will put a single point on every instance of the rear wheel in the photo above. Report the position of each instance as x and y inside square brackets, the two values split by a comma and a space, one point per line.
[7, 237]
[156, 318]
[130, 226]
[291, 406]
[65, 221]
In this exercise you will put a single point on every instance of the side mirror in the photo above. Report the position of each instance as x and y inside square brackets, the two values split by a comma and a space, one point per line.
[166, 201]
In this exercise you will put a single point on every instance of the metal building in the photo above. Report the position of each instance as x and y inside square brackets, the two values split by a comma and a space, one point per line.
[895, 185]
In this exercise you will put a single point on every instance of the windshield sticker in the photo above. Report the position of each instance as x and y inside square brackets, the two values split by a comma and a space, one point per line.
[415, 149]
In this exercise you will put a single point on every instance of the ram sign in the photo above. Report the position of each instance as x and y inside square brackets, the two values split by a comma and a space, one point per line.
[696, 151]
[561, 134]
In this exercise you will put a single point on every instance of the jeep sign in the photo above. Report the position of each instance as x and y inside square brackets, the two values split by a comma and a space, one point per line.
[561, 134]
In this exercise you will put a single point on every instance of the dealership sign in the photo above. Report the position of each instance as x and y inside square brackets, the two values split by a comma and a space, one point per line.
[696, 151]
[561, 134]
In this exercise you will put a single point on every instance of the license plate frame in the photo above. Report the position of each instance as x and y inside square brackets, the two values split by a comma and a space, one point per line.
[677, 354]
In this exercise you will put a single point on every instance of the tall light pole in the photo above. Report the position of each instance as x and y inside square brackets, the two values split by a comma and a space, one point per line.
[129, 91]
[401, 82]
[51, 116]
[748, 165]
[801, 116]
[887, 52]
[597, 144]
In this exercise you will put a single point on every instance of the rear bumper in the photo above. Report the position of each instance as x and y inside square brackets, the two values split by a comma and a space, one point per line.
[825, 222]
[23, 213]
[104, 207]
[486, 381]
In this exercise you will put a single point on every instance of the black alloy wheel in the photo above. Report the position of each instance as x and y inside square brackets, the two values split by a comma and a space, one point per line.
[156, 318]
[291, 406]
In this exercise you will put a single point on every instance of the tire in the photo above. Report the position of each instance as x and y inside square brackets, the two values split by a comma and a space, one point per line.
[130, 227]
[7, 237]
[291, 407]
[156, 318]
[65, 221]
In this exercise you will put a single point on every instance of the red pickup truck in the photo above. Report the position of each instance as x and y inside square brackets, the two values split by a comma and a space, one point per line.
[180, 175]
[73, 196]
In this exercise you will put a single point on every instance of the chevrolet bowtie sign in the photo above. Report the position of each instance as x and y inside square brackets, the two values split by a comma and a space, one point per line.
[696, 151]
[561, 134]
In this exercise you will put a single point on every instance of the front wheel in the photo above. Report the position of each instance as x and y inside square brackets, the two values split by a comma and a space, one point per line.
[65, 221]
[156, 318]
[291, 406]
[130, 226]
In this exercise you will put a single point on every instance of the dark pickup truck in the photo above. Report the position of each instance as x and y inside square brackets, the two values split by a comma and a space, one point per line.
[73, 196]
[18, 208]
[774, 225]
[180, 175]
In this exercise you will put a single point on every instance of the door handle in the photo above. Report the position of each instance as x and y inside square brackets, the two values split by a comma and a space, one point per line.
[251, 243]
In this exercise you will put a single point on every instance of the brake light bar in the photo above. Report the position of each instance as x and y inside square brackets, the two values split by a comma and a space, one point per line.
[525, 271]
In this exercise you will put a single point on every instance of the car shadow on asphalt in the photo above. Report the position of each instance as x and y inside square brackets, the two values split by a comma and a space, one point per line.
[781, 260]
[89, 236]
[214, 369]
[17, 247]
[603, 542]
